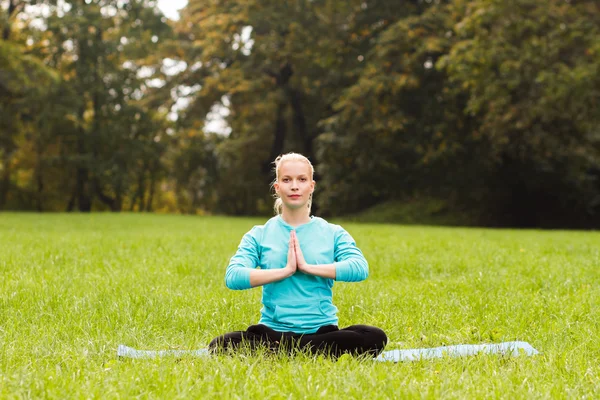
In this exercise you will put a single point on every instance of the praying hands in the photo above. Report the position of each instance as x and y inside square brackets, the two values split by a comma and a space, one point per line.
[296, 261]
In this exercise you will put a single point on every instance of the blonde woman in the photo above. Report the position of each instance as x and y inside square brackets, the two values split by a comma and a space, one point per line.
[300, 256]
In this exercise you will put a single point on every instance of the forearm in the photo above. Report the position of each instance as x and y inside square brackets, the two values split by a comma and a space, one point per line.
[259, 277]
[354, 269]
[322, 270]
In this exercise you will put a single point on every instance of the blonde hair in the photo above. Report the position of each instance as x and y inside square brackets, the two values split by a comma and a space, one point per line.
[278, 206]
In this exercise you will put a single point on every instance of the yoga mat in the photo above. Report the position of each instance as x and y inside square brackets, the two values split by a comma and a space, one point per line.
[507, 348]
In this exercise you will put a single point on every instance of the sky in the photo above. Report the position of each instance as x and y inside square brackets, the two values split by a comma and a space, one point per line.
[170, 7]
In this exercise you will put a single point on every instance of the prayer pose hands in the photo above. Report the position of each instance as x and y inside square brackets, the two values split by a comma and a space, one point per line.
[300, 261]
[291, 265]
[295, 260]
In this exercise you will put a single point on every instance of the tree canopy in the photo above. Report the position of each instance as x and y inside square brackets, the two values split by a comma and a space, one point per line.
[490, 107]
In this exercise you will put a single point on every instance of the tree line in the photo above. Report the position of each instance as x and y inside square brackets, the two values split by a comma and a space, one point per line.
[490, 106]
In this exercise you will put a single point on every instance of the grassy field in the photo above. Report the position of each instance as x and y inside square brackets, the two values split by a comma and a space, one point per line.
[74, 287]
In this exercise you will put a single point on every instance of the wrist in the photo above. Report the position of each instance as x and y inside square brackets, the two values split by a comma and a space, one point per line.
[288, 271]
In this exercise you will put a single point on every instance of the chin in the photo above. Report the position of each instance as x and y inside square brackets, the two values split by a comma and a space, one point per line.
[296, 206]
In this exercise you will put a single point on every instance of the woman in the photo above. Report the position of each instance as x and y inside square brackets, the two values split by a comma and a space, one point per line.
[300, 257]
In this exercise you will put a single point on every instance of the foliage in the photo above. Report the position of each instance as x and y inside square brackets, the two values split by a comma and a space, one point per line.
[279, 82]
[395, 121]
[24, 80]
[486, 105]
[93, 126]
[530, 75]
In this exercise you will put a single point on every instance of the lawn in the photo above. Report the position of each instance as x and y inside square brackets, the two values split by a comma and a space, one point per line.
[74, 287]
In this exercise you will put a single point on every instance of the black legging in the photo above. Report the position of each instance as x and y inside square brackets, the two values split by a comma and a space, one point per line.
[328, 340]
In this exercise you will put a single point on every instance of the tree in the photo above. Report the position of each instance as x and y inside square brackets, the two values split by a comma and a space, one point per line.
[530, 73]
[102, 49]
[394, 130]
[489, 105]
[278, 67]
[25, 83]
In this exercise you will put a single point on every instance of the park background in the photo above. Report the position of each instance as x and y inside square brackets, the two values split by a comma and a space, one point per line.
[479, 113]
[482, 112]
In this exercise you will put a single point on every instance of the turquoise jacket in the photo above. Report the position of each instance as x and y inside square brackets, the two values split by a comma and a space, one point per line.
[301, 303]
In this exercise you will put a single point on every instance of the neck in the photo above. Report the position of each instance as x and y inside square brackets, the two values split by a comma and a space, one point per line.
[296, 217]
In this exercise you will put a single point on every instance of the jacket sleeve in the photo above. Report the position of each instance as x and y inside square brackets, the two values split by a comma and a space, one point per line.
[237, 275]
[351, 265]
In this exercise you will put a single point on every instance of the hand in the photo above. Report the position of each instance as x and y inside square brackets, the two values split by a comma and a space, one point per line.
[291, 265]
[300, 261]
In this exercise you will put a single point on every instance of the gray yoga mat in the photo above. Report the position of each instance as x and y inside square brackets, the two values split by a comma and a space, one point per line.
[506, 348]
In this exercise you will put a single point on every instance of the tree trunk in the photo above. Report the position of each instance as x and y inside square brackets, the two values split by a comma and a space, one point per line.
[12, 7]
[141, 189]
[84, 200]
[148, 206]
[5, 183]
[134, 200]
[295, 99]
[152, 184]
[278, 141]
[83, 191]
[282, 78]
[39, 181]
[71, 203]
[194, 201]
[118, 205]
[111, 202]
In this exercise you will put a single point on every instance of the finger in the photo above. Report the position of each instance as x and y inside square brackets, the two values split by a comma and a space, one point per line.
[291, 248]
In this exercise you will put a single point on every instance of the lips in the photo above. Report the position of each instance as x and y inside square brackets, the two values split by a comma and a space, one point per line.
[294, 196]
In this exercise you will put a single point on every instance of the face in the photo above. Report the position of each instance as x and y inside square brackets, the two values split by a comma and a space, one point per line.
[295, 185]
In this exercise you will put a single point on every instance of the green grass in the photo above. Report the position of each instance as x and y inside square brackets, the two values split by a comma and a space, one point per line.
[73, 287]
